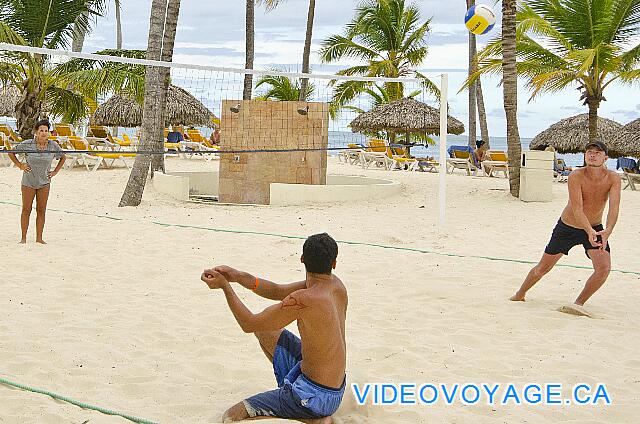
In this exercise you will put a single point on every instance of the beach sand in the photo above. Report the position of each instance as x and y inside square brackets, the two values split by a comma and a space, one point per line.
[112, 312]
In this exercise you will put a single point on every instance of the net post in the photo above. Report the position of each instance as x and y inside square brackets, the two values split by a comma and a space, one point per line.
[442, 192]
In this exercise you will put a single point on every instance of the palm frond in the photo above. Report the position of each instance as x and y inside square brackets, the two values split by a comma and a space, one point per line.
[68, 105]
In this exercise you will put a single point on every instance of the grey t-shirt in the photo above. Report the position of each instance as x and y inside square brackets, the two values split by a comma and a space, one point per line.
[39, 162]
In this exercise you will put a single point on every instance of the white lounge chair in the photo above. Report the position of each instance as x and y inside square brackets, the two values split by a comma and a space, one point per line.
[496, 161]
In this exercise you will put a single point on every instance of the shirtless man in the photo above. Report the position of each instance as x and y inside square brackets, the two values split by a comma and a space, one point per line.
[310, 372]
[581, 223]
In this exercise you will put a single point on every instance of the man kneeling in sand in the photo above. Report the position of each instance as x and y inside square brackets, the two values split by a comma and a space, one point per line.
[310, 372]
[581, 223]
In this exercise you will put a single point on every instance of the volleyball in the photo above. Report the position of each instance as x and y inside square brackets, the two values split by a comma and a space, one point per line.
[480, 19]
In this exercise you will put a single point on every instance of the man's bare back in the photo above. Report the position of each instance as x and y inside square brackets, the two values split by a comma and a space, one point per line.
[321, 327]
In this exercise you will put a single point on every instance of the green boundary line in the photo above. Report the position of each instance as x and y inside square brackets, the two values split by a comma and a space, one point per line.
[348, 242]
[75, 402]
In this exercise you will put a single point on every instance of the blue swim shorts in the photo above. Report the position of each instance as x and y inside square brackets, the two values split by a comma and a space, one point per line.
[297, 395]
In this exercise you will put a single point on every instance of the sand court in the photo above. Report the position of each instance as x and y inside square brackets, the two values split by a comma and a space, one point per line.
[112, 312]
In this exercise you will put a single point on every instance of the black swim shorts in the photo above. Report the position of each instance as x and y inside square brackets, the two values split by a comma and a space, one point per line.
[564, 237]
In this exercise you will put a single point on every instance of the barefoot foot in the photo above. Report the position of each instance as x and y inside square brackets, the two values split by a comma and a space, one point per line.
[23, 241]
[41, 241]
[575, 309]
[517, 298]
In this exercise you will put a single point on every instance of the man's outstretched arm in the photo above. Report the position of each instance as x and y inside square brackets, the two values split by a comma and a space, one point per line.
[274, 317]
[614, 210]
[260, 286]
[577, 207]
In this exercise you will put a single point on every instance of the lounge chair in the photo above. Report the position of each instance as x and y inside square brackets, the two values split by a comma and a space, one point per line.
[496, 161]
[4, 157]
[427, 164]
[633, 178]
[399, 156]
[64, 130]
[10, 133]
[376, 153]
[628, 166]
[461, 157]
[128, 141]
[7, 144]
[201, 143]
[352, 154]
[106, 159]
[561, 171]
[98, 131]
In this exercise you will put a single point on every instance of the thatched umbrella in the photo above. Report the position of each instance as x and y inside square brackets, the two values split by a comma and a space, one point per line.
[628, 141]
[571, 135]
[182, 109]
[9, 96]
[404, 116]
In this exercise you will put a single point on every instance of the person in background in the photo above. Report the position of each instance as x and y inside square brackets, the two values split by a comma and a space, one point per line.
[215, 136]
[479, 152]
[37, 175]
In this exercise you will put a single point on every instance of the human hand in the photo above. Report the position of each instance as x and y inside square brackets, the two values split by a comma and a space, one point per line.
[25, 167]
[52, 174]
[213, 279]
[593, 238]
[604, 238]
[231, 274]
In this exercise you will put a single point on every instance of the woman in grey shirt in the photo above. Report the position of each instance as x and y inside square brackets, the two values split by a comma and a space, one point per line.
[36, 176]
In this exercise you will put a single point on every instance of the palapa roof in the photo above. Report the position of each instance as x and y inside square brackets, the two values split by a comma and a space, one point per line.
[628, 141]
[182, 109]
[9, 96]
[571, 135]
[405, 116]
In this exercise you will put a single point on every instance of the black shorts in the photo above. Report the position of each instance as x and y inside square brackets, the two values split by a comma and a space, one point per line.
[564, 237]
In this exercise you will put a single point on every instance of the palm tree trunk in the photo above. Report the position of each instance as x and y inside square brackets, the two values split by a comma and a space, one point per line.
[472, 87]
[28, 109]
[132, 195]
[307, 50]
[118, 25]
[510, 93]
[78, 36]
[171, 23]
[594, 105]
[482, 114]
[249, 49]
[114, 130]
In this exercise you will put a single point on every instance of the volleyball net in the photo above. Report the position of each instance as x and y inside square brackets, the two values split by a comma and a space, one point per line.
[104, 92]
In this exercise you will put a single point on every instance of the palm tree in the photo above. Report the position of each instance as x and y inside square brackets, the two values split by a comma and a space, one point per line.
[473, 93]
[510, 93]
[249, 52]
[250, 18]
[482, 114]
[582, 43]
[98, 78]
[283, 89]
[80, 31]
[272, 4]
[388, 36]
[162, 30]
[307, 49]
[48, 24]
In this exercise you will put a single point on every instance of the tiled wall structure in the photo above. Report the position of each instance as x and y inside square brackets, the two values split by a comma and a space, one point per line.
[245, 178]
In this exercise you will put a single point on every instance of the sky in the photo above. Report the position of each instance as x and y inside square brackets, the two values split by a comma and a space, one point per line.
[211, 32]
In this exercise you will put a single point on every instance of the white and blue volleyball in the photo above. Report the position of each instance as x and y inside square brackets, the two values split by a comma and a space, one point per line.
[480, 19]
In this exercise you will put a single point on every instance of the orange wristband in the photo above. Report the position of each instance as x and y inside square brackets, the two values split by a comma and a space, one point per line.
[255, 286]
